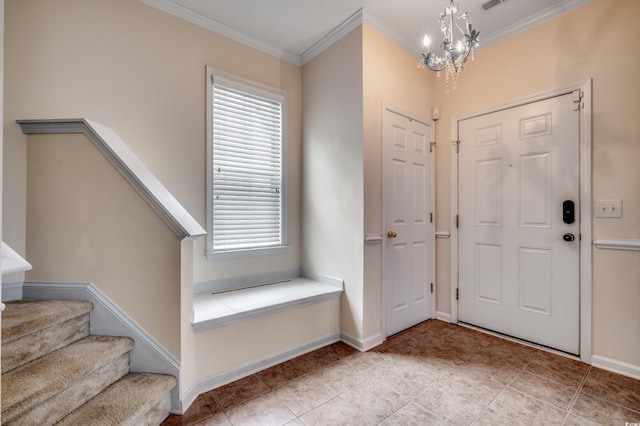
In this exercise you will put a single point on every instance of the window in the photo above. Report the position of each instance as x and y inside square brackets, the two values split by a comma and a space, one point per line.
[246, 175]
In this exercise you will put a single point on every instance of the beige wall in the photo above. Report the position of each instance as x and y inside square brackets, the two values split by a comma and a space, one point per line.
[279, 333]
[344, 89]
[597, 41]
[390, 75]
[142, 72]
[87, 224]
[333, 172]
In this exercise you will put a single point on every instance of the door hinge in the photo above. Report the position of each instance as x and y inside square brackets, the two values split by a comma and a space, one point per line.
[457, 144]
[457, 293]
[431, 287]
[431, 217]
[579, 94]
[457, 221]
[431, 146]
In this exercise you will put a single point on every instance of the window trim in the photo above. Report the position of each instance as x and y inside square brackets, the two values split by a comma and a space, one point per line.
[261, 90]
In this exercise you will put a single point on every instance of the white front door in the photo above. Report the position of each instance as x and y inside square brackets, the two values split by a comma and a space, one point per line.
[518, 263]
[408, 240]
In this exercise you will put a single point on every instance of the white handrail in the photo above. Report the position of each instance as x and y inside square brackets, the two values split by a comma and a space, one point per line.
[172, 213]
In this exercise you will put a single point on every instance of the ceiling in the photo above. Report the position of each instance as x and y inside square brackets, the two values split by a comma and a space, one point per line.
[296, 30]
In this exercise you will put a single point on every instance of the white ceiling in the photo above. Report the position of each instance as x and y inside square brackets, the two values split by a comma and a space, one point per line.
[296, 30]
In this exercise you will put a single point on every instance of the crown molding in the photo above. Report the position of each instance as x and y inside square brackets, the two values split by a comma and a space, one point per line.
[215, 26]
[530, 22]
[354, 21]
[496, 37]
[374, 22]
[344, 28]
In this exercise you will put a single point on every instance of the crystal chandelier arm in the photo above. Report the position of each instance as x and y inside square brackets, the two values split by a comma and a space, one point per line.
[433, 62]
[456, 46]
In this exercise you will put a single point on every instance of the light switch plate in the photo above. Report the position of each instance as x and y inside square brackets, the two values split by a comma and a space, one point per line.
[608, 208]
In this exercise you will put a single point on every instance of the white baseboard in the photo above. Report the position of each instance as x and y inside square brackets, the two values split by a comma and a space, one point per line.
[443, 316]
[615, 366]
[12, 291]
[362, 345]
[108, 319]
[220, 379]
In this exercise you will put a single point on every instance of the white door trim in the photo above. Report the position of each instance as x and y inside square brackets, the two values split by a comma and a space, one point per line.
[432, 225]
[585, 203]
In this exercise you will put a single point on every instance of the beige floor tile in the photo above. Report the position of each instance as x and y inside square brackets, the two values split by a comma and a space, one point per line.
[239, 391]
[341, 376]
[374, 364]
[314, 360]
[484, 369]
[337, 412]
[545, 390]
[525, 409]
[304, 394]
[558, 368]
[414, 415]
[407, 378]
[203, 407]
[491, 417]
[614, 388]
[341, 350]
[446, 359]
[435, 373]
[607, 376]
[218, 419]
[264, 410]
[375, 398]
[603, 412]
[572, 420]
[280, 374]
[509, 353]
[458, 401]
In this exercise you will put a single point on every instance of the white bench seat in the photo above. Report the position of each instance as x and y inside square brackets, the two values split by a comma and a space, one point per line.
[213, 310]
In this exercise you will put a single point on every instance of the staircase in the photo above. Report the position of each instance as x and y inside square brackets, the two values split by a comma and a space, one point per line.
[54, 372]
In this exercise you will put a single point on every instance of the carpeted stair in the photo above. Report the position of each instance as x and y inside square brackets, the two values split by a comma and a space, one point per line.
[54, 371]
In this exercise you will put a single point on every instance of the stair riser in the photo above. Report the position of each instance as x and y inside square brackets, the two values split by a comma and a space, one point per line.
[34, 345]
[54, 372]
[137, 399]
[57, 407]
[157, 414]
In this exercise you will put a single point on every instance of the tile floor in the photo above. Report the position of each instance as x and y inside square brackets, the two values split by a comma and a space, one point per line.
[433, 374]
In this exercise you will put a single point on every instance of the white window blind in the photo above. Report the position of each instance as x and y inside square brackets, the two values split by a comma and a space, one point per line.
[247, 170]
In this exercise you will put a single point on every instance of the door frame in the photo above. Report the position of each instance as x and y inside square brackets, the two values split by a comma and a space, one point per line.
[389, 108]
[585, 283]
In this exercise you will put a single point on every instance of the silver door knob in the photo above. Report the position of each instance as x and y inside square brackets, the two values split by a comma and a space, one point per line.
[568, 237]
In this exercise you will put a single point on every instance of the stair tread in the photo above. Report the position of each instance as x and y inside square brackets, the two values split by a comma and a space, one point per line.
[123, 403]
[22, 317]
[40, 379]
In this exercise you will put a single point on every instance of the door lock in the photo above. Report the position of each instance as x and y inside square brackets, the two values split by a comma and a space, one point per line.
[392, 234]
[568, 237]
[568, 212]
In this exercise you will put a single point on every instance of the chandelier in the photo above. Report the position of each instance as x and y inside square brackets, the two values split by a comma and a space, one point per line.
[456, 45]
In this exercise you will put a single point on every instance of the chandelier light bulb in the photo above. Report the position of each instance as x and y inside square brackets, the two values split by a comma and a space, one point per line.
[426, 41]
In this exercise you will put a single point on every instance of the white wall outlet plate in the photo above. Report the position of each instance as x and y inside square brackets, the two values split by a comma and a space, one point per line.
[608, 208]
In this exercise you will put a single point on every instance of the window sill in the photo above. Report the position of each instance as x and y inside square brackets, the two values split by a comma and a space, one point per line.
[232, 254]
[220, 309]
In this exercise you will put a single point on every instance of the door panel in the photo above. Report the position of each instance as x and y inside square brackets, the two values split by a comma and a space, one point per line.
[517, 275]
[408, 255]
